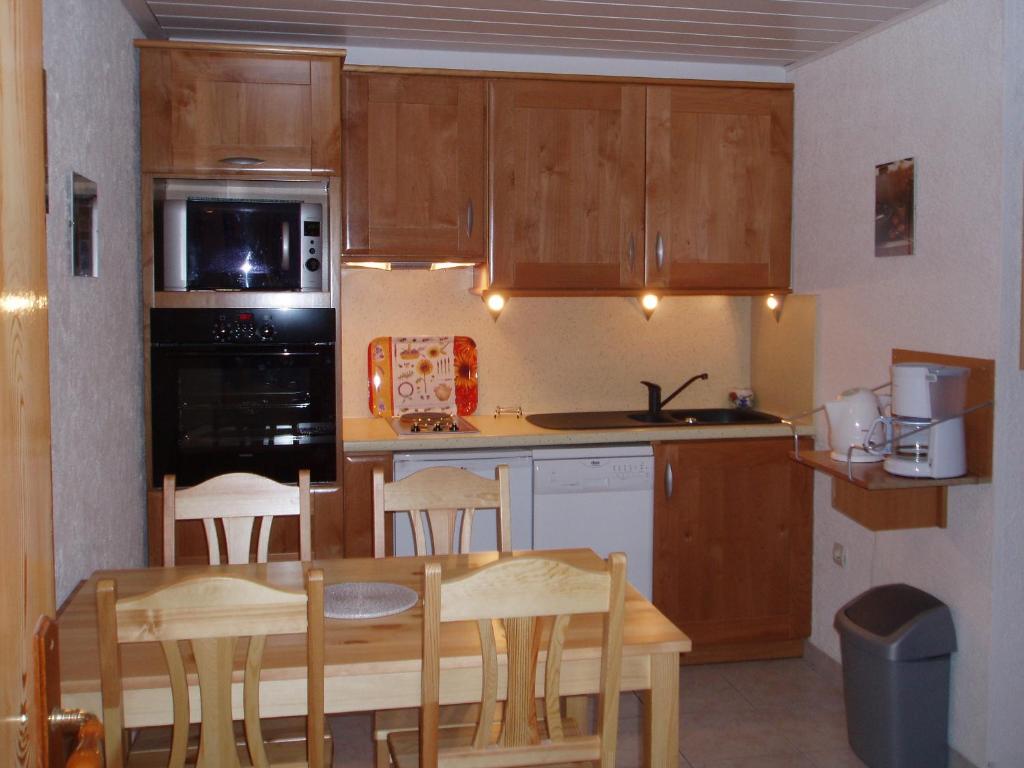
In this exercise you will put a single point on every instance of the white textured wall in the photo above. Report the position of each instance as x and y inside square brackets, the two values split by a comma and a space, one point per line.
[572, 65]
[552, 354]
[95, 323]
[931, 88]
[1006, 738]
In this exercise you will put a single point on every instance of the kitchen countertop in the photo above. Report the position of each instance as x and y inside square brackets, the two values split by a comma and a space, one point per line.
[370, 434]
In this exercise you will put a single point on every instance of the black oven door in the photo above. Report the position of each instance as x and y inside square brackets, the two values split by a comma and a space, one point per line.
[235, 408]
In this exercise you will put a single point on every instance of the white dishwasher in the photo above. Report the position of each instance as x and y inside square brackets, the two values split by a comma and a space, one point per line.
[483, 463]
[600, 497]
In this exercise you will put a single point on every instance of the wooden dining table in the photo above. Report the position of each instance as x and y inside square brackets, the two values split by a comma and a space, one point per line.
[374, 664]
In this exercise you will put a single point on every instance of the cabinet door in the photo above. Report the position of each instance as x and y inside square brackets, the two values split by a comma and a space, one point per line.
[732, 533]
[357, 487]
[719, 187]
[219, 111]
[414, 166]
[567, 181]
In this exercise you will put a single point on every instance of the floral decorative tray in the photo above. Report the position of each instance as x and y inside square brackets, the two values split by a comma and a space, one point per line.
[422, 373]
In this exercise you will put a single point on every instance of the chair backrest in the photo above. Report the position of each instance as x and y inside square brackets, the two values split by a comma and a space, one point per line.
[526, 596]
[438, 494]
[212, 613]
[237, 500]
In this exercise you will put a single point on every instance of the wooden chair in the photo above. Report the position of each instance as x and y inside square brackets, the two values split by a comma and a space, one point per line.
[528, 597]
[213, 613]
[433, 498]
[237, 500]
[436, 496]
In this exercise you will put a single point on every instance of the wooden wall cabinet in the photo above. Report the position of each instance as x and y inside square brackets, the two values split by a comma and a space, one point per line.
[190, 539]
[210, 109]
[732, 546]
[567, 185]
[414, 167]
[617, 186]
[357, 483]
[719, 187]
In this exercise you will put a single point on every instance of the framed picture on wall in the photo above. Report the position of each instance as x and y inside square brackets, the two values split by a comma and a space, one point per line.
[894, 208]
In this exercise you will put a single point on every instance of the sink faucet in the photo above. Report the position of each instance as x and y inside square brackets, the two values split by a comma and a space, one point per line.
[654, 401]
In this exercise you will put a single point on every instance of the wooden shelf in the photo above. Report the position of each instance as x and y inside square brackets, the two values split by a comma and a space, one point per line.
[872, 477]
[883, 502]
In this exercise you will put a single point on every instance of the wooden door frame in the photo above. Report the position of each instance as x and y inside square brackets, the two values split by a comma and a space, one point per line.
[26, 514]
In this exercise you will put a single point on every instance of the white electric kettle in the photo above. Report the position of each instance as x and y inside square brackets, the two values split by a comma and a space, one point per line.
[850, 416]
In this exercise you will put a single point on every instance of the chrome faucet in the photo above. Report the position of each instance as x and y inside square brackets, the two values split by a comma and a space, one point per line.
[654, 401]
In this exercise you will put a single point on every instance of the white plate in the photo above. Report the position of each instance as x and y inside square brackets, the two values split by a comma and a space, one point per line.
[367, 600]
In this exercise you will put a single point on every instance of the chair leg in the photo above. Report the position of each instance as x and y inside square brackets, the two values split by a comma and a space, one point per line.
[380, 753]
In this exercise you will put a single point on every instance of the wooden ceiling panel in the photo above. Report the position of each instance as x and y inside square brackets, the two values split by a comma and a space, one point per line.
[776, 32]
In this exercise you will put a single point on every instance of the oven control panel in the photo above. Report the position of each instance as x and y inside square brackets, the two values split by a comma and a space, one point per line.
[176, 327]
[243, 328]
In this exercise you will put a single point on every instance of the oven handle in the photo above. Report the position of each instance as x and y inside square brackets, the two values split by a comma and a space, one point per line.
[171, 350]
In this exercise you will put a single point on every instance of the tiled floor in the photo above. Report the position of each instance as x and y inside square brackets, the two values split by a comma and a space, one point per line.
[760, 714]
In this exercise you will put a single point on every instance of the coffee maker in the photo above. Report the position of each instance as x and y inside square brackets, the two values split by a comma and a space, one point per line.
[927, 423]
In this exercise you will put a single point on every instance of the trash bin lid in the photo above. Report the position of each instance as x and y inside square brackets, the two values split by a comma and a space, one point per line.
[898, 622]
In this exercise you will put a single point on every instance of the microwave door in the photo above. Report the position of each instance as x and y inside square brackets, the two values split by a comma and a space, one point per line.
[243, 245]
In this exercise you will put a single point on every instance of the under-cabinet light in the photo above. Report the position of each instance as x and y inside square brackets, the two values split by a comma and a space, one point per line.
[495, 303]
[648, 303]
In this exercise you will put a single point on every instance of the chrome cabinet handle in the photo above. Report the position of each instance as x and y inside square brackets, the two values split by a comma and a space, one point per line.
[631, 253]
[469, 219]
[659, 251]
[669, 481]
[286, 255]
[244, 162]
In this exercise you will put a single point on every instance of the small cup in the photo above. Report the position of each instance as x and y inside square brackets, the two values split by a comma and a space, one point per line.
[742, 398]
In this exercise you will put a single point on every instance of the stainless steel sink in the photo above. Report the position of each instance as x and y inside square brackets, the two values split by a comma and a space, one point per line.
[634, 419]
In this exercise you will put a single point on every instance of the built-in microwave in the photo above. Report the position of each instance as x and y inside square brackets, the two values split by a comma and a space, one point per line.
[240, 235]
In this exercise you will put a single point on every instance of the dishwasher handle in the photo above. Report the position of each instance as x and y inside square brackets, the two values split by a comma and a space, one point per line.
[669, 480]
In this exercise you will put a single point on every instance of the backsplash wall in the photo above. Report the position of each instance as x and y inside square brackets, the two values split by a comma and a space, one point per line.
[552, 354]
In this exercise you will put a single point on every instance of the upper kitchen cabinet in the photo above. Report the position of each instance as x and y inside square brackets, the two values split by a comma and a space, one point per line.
[414, 167]
[567, 185]
[219, 108]
[719, 187]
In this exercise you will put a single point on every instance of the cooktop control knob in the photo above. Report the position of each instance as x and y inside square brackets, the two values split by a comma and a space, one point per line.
[414, 428]
[312, 264]
[267, 332]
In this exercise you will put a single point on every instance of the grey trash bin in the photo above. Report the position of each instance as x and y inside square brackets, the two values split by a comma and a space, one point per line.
[895, 642]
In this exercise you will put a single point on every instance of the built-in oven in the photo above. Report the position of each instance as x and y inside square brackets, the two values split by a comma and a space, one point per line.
[243, 390]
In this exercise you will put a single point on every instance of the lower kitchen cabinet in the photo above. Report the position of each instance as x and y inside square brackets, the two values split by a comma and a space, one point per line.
[357, 490]
[190, 539]
[732, 546]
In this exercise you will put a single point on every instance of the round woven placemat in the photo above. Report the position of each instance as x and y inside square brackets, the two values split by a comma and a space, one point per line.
[367, 600]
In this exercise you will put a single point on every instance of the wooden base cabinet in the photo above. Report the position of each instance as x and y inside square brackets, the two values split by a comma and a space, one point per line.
[732, 546]
[357, 482]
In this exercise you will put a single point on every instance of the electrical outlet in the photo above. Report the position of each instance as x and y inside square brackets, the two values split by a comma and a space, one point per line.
[839, 554]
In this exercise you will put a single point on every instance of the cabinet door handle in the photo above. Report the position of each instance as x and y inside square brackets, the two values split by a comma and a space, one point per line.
[286, 241]
[243, 162]
[659, 251]
[469, 219]
[669, 481]
[631, 253]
